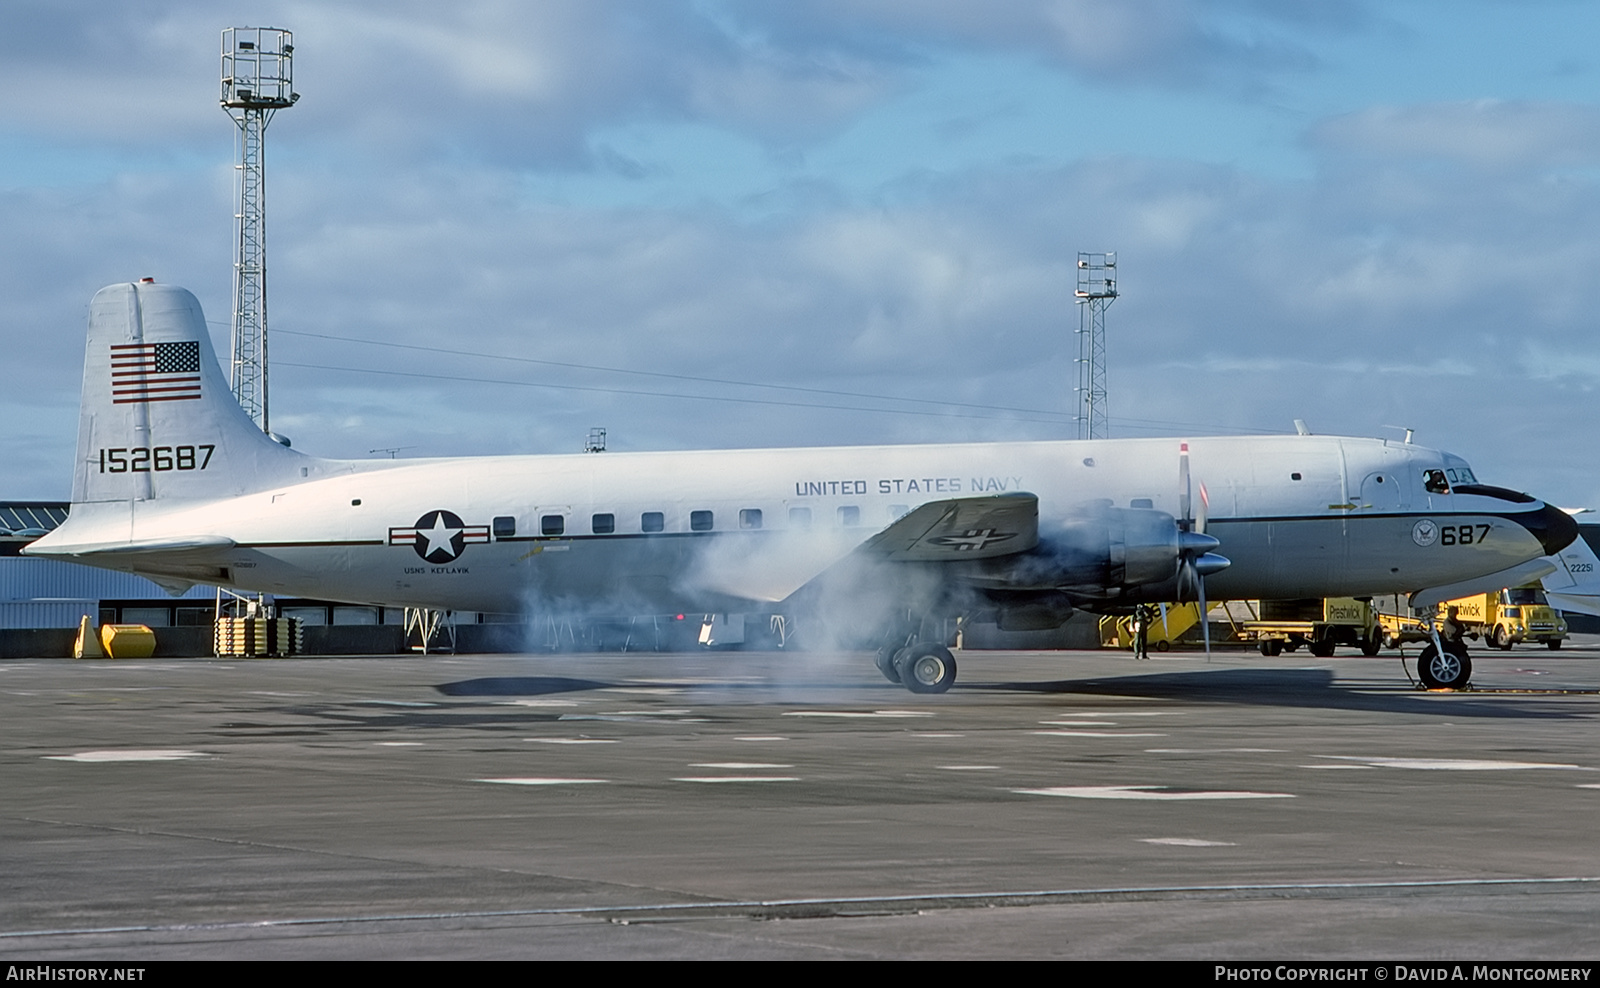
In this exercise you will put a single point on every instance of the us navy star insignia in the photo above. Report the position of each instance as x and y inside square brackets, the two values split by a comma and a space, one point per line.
[439, 536]
[972, 540]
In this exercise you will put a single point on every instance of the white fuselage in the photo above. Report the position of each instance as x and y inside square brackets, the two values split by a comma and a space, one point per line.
[1298, 516]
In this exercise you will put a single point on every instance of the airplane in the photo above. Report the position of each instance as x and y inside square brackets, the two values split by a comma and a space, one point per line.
[175, 482]
[1575, 584]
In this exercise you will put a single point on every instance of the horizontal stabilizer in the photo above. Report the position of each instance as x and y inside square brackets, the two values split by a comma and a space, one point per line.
[961, 528]
[1516, 576]
[141, 547]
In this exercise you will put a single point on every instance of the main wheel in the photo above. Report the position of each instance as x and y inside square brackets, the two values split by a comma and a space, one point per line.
[1321, 648]
[927, 667]
[1447, 670]
[884, 660]
[1501, 638]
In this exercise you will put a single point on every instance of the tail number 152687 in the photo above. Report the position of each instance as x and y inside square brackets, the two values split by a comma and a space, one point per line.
[159, 459]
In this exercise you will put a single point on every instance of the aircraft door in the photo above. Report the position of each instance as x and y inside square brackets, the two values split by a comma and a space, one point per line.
[1384, 490]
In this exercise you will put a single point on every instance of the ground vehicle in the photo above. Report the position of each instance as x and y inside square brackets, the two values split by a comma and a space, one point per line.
[1399, 629]
[1319, 624]
[1505, 617]
[1168, 624]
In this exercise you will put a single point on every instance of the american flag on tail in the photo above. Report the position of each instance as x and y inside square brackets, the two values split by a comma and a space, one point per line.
[155, 371]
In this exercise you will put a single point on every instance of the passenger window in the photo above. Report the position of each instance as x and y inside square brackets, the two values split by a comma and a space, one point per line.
[552, 524]
[749, 517]
[1142, 502]
[603, 524]
[849, 515]
[1434, 483]
[652, 521]
[505, 526]
[699, 521]
[799, 517]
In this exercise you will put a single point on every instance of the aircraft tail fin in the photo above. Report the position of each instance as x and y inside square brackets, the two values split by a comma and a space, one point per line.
[158, 419]
[1575, 585]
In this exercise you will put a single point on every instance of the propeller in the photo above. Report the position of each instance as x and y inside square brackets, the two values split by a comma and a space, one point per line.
[1196, 561]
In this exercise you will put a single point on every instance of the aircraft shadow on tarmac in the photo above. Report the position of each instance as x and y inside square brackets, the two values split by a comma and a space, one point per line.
[1291, 688]
[1307, 688]
[519, 686]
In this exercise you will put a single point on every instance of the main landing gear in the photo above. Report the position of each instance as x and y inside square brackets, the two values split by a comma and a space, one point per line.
[921, 667]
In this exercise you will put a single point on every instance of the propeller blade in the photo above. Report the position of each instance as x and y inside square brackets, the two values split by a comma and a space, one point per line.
[1205, 510]
[1183, 485]
[1205, 614]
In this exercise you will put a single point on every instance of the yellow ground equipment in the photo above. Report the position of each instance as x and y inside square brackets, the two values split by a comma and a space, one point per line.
[1171, 622]
[87, 645]
[252, 637]
[1505, 617]
[1320, 625]
[1399, 629]
[127, 641]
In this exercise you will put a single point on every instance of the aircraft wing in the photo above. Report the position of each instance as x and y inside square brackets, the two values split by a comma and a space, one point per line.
[1515, 576]
[960, 529]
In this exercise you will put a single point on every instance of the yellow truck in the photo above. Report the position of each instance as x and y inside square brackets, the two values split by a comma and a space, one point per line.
[1506, 617]
[1320, 625]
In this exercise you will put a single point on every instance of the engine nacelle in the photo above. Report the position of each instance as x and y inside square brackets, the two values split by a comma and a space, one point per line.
[1102, 552]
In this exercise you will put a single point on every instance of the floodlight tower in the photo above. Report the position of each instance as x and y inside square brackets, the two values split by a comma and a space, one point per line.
[1097, 289]
[257, 82]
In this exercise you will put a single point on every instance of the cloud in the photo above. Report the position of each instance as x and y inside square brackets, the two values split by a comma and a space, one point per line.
[1163, 42]
[1495, 135]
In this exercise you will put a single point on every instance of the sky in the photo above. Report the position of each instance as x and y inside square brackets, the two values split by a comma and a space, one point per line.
[493, 226]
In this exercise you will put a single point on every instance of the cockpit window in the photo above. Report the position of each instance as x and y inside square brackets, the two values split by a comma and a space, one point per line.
[1460, 475]
[1434, 482]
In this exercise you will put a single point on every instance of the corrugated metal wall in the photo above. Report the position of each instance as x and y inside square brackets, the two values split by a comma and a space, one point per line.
[47, 613]
[27, 579]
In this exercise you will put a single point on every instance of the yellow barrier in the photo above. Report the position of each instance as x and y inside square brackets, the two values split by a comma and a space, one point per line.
[88, 644]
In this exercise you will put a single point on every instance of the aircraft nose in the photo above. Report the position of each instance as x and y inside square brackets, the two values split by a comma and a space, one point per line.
[1554, 528]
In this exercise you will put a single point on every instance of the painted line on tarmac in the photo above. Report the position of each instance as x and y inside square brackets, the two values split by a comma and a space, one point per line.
[1149, 792]
[131, 755]
[736, 765]
[893, 904]
[737, 778]
[545, 781]
[858, 713]
[1454, 764]
[1100, 734]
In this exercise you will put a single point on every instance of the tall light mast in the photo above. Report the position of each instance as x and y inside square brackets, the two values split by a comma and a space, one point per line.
[1097, 289]
[257, 82]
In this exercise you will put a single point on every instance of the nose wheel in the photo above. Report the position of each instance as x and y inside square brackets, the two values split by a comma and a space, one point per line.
[1447, 669]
